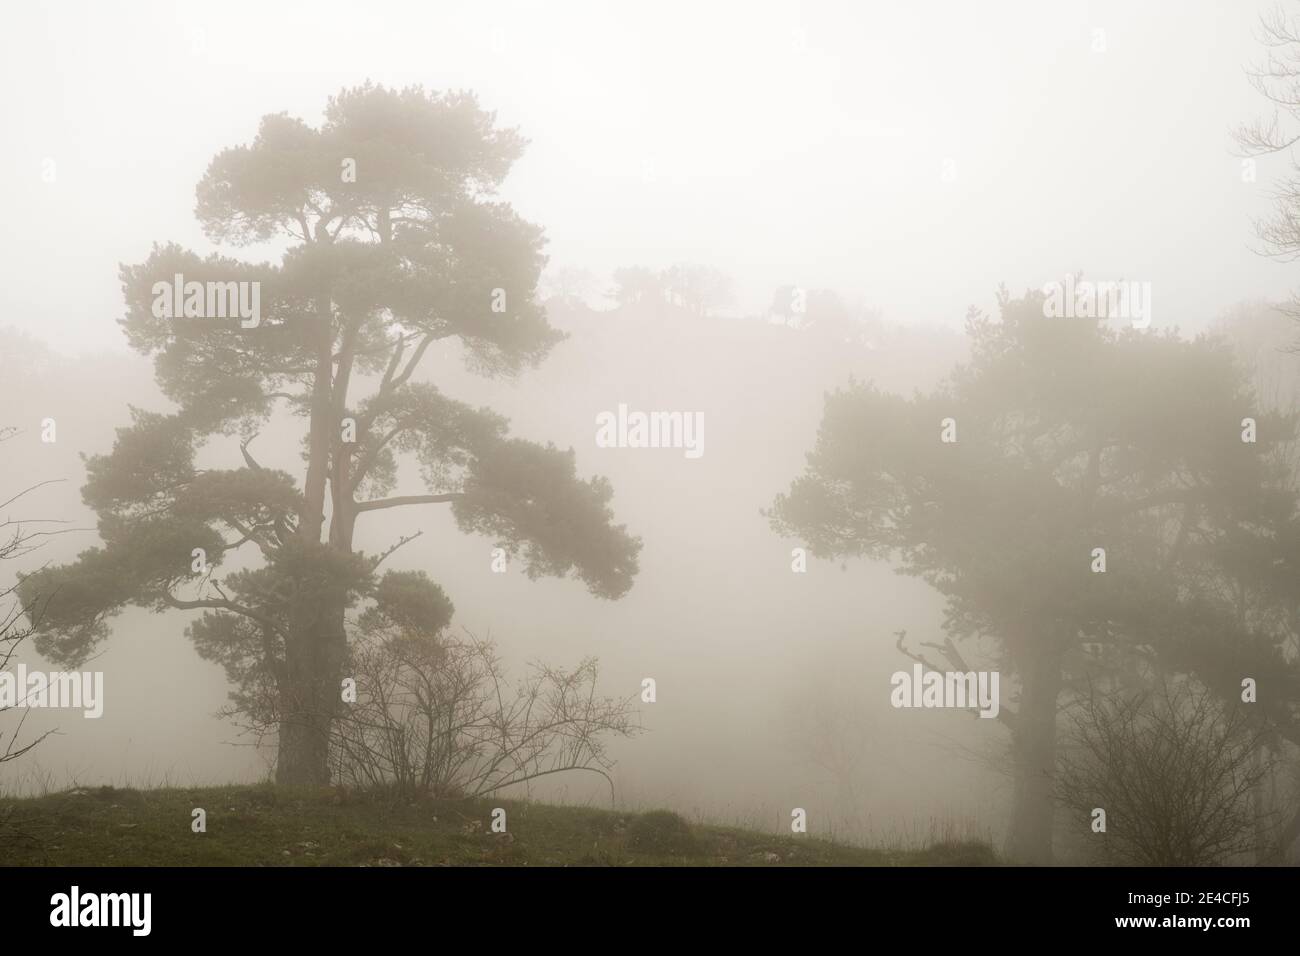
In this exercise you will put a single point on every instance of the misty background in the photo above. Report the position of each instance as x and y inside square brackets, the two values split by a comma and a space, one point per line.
[909, 157]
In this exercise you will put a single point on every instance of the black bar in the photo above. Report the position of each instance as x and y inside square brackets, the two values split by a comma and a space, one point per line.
[332, 905]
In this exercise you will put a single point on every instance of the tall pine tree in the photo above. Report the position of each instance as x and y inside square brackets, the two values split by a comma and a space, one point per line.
[396, 244]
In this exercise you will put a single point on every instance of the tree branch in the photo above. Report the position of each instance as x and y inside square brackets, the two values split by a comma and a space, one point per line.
[949, 650]
[221, 605]
[379, 504]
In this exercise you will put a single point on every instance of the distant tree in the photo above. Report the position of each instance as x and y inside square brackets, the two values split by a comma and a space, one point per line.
[397, 244]
[571, 285]
[829, 731]
[23, 358]
[1070, 436]
[826, 309]
[634, 285]
[697, 289]
[824, 312]
[789, 304]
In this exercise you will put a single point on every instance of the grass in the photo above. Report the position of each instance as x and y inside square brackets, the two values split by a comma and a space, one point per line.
[273, 826]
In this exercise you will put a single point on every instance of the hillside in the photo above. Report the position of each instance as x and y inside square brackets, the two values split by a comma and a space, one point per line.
[268, 826]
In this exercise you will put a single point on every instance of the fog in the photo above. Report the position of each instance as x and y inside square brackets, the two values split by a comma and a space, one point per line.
[909, 158]
[779, 143]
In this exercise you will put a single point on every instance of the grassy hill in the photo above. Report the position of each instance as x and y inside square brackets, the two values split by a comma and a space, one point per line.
[270, 826]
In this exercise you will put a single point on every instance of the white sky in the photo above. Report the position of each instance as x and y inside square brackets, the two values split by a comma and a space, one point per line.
[782, 143]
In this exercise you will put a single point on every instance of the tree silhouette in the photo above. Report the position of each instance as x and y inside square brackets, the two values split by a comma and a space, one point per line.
[396, 243]
[1070, 436]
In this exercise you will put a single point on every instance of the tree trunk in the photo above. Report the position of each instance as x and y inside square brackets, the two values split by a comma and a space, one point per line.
[303, 756]
[311, 697]
[1033, 750]
[316, 645]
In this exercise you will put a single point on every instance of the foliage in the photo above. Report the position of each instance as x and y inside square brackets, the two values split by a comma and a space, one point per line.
[1071, 436]
[411, 250]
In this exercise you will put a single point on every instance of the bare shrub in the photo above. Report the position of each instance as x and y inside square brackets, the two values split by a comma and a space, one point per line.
[1174, 767]
[437, 715]
[16, 623]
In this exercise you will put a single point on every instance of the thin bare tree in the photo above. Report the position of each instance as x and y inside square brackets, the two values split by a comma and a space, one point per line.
[18, 537]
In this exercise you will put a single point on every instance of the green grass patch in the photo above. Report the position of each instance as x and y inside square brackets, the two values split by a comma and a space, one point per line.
[275, 826]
